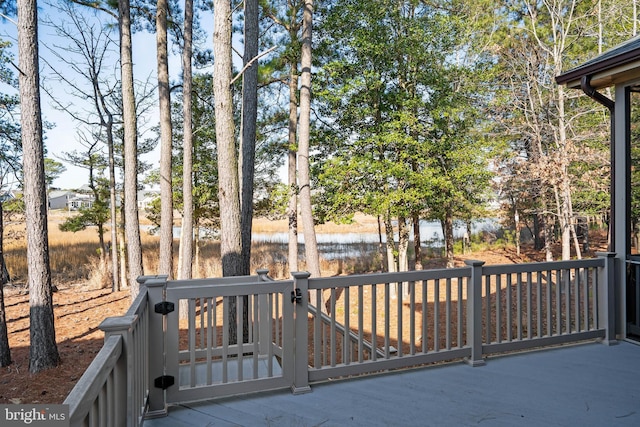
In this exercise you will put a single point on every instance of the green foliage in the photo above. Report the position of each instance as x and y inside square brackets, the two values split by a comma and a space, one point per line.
[400, 112]
[10, 144]
[52, 170]
[13, 206]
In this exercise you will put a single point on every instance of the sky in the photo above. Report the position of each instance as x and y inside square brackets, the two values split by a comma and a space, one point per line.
[63, 136]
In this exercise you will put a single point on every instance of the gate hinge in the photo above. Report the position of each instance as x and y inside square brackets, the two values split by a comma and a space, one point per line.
[296, 296]
[164, 382]
[164, 307]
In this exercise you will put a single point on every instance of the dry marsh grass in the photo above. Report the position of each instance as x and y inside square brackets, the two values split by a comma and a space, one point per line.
[75, 257]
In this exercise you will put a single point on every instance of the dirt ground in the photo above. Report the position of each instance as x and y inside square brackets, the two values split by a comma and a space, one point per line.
[78, 312]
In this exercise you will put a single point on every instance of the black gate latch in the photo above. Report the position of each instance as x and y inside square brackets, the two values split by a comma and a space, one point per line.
[164, 307]
[296, 296]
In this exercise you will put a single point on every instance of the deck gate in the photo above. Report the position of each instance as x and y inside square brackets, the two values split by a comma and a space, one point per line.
[206, 358]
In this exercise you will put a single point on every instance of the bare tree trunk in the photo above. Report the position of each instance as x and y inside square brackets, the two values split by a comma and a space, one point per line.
[292, 209]
[381, 250]
[122, 251]
[132, 222]
[186, 236]
[403, 244]
[310, 242]
[417, 246]
[43, 351]
[115, 281]
[392, 265]
[249, 118]
[228, 187]
[635, 17]
[196, 250]
[166, 187]
[516, 221]
[447, 229]
[230, 246]
[403, 255]
[5, 351]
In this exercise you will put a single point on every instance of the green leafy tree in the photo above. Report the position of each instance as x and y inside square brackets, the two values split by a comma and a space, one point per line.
[52, 170]
[400, 139]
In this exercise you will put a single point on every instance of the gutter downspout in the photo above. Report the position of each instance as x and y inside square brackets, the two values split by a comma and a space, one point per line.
[591, 92]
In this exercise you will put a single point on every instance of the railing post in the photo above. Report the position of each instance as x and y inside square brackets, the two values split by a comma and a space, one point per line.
[301, 351]
[263, 275]
[264, 320]
[124, 411]
[474, 313]
[157, 397]
[606, 297]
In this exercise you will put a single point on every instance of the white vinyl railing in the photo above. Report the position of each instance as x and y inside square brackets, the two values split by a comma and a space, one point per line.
[349, 325]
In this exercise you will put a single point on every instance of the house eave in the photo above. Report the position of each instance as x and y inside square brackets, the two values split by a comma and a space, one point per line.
[604, 79]
[621, 63]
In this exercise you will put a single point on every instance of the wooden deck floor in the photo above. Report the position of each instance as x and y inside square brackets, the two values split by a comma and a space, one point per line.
[583, 385]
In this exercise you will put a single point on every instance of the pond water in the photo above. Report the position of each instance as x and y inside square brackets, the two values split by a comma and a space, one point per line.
[345, 245]
[430, 231]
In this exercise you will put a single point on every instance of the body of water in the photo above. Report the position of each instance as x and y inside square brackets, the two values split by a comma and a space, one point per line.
[430, 231]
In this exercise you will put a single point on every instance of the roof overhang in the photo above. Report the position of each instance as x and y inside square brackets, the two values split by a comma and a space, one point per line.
[618, 65]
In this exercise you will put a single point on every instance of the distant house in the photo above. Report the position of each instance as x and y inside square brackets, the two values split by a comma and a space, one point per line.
[145, 198]
[59, 199]
[70, 200]
[78, 201]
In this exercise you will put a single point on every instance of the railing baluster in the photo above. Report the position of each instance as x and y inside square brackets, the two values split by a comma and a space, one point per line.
[425, 320]
[585, 295]
[549, 304]
[346, 357]
[578, 326]
[436, 315]
[374, 321]
[225, 339]
[209, 303]
[361, 324]
[254, 328]
[399, 318]
[271, 328]
[529, 309]
[498, 308]
[318, 333]
[240, 335]
[539, 302]
[558, 302]
[201, 316]
[192, 341]
[387, 313]
[508, 309]
[567, 286]
[333, 345]
[448, 314]
[459, 315]
[519, 305]
[487, 309]
[412, 318]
